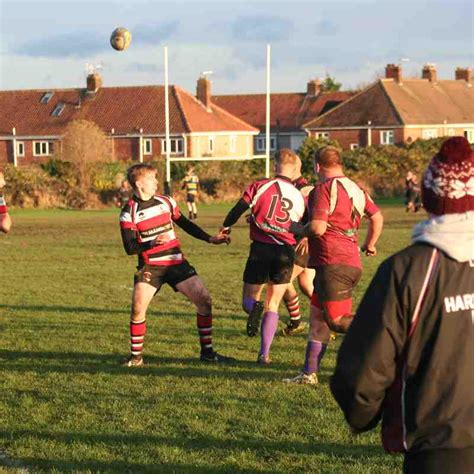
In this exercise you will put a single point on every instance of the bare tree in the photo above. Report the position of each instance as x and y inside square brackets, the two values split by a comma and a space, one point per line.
[84, 143]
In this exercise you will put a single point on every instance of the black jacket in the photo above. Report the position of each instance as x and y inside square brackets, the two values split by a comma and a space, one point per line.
[418, 376]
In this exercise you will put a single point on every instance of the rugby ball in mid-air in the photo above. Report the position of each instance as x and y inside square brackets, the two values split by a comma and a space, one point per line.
[120, 39]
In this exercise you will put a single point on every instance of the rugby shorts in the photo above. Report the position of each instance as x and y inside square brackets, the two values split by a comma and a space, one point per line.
[269, 263]
[190, 197]
[333, 285]
[157, 275]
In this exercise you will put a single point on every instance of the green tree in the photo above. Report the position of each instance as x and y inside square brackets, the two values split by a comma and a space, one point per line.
[330, 85]
[307, 150]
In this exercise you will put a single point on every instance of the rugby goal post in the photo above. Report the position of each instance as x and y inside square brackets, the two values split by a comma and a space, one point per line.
[170, 160]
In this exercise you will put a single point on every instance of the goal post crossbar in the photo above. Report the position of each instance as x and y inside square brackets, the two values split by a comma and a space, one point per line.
[219, 158]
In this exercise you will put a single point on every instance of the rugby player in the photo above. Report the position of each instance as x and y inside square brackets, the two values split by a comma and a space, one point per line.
[5, 220]
[191, 184]
[147, 229]
[336, 207]
[273, 204]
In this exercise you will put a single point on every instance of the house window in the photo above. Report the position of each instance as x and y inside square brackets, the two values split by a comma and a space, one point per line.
[429, 133]
[20, 149]
[469, 135]
[58, 109]
[46, 97]
[451, 132]
[233, 144]
[176, 146]
[261, 142]
[147, 146]
[211, 144]
[322, 135]
[387, 137]
[354, 146]
[42, 148]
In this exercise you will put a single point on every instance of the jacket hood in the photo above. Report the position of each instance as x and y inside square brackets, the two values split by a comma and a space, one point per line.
[451, 233]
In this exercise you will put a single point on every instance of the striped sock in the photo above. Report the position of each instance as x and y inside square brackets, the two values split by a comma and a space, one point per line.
[293, 307]
[137, 336]
[204, 325]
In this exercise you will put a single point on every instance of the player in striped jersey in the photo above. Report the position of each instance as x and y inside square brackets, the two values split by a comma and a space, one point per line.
[273, 203]
[147, 229]
[5, 220]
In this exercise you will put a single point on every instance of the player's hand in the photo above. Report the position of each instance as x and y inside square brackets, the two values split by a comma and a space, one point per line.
[302, 247]
[369, 250]
[2, 180]
[225, 231]
[219, 239]
[161, 239]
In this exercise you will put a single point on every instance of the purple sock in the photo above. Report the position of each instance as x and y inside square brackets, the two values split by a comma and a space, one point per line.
[269, 327]
[248, 304]
[314, 353]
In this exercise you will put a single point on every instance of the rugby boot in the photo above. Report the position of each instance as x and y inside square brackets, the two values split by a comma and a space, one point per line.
[253, 321]
[213, 356]
[292, 329]
[303, 379]
[133, 361]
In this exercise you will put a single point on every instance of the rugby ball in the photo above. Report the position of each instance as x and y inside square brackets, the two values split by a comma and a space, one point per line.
[120, 39]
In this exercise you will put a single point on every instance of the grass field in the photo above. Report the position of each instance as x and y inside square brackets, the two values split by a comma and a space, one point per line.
[67, 405]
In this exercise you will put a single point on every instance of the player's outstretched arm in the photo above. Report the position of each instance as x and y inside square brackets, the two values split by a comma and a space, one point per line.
[373, 233]
[234, 214]
[195, 231]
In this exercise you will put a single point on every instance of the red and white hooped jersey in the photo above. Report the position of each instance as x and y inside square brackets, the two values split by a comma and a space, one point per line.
[3, 205]
[274, 203]
[150, 219]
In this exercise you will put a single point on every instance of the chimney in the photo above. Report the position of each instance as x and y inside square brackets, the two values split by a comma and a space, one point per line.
[429, 72]
[463, 74]
[203, 91]
[94, 82]
[314, 87]
[393, 71]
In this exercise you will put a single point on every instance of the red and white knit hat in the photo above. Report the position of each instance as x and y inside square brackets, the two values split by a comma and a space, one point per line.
[448, 182]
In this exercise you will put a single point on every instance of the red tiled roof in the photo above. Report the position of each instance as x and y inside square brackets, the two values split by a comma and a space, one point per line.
[125, 109]
[412, 102]
[291, 110]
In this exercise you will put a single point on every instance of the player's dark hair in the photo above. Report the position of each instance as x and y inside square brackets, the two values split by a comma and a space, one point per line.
[135, 172]
[328, 157]
[285, 156]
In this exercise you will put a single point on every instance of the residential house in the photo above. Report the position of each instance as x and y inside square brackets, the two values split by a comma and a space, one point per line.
[396, 110]
[288, 112]
[32, 122]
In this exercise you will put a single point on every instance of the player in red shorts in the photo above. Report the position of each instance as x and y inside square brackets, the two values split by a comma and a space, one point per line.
[147, 229]
[5, 220]
[336, 207]
[274, 203]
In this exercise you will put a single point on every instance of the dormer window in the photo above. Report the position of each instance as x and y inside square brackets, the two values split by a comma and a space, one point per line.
[46, 97]
[58, 109]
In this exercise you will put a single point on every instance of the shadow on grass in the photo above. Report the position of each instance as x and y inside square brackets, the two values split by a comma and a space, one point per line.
[78, 362]
[263, 449]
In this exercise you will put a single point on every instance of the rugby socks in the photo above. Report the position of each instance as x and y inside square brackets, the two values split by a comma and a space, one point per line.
[293, 306]
[314, 354]
[137, 336]
[269, 327]
[248, 304]
[204, 326]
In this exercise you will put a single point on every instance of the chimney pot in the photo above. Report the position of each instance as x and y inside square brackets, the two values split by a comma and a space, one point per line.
[203, 91]
[393, 71]
[429, 72]
[314, 87]
[464, 74]
[94, 82]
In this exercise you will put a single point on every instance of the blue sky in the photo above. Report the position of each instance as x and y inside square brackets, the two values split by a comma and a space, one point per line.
[47, 44]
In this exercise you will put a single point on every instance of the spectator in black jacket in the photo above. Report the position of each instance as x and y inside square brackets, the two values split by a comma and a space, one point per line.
[408, 356]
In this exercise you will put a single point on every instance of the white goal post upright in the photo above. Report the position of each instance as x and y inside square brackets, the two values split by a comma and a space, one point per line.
[169, 160]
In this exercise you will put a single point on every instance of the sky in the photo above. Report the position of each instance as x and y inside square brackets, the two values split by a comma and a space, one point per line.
[46, 44]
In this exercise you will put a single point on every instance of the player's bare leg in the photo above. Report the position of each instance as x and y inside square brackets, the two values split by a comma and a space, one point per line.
[141, 297]
[270, 320]
[194, 210]
[252, 305]
[195, 290]
[190, 209]
[319, 335]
